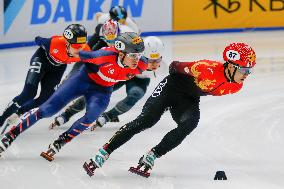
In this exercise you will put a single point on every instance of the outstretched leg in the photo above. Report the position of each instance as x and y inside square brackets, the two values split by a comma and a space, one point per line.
[97, 102]
[49, 83]
[77, 106]
[34, 76]
[135, 89]
[186, 114]
[68, 91]
[151, 113]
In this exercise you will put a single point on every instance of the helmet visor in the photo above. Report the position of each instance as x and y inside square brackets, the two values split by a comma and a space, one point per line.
[135, 56]
[77, 46]
[154, 60]
[243, 70]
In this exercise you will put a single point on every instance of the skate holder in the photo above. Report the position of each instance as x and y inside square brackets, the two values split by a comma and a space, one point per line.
[47, 156]
[136, 170]
[88, 169]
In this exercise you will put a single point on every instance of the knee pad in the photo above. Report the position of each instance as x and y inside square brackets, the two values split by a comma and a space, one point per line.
[136, 92]
[133, 95]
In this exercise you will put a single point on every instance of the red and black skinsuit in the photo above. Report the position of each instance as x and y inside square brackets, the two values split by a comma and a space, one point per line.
[180, 93]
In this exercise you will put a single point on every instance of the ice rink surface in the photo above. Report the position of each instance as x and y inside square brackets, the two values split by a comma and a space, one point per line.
[241, 134]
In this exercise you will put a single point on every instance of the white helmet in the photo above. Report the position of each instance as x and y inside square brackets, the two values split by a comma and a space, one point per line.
[154, 47]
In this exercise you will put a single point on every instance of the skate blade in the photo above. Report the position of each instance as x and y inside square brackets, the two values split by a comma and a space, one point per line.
[88, 170]
[46, 156]
[52, 126]
[93, 128]
[139, 172]
[4, 128]
[1, 151]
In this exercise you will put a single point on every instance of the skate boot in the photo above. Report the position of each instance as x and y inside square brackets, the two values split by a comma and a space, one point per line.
[96, 162]
[147, 161]
[11, 108]
[55, 147]
[103, 119]
[12, 120]
[58, 121]
[7, 140]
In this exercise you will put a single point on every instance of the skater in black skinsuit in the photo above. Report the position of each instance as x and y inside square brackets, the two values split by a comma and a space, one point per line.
[47, 66]
[180, 92]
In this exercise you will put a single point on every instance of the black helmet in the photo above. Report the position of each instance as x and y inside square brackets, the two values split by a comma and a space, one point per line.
[75, 34]
[129, 42]
[117, 13]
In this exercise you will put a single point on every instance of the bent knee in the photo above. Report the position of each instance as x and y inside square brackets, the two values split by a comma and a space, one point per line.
[136, 92]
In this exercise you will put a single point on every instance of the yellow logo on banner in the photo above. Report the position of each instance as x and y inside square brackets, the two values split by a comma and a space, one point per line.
[227, 14]
[137, 40]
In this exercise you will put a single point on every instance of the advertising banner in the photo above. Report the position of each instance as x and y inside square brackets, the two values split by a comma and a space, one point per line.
[227, 14]
[22, 20]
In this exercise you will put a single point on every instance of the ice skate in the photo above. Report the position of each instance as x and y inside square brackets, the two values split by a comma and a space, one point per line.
[90, 167]
[53, 148]
[58, 121]
[6, 141]
[12, 120]
[147, 161]
[96, 162]
[102, 120]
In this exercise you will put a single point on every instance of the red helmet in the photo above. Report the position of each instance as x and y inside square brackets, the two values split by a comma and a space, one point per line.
[110, 30]
[240, 54]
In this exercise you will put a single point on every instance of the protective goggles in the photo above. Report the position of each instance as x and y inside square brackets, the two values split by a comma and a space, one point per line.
[110, 36]
[135, 56]
[77, 46]
[243, 70]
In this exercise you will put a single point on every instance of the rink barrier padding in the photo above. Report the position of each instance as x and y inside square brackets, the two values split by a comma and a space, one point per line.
[162, 33]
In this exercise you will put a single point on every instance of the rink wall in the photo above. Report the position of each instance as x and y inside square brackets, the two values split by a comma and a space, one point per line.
[22, 20]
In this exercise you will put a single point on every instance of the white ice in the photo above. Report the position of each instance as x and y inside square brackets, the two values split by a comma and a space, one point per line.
[240, 134]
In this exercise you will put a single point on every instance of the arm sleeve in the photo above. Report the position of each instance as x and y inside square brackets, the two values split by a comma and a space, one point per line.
[195, 69]
[95, 37]
[96, 57]
[70, 60]
[42, 42]
[142, 64]
[179, 67]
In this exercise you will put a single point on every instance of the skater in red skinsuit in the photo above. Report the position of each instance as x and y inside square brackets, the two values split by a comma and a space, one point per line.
[180, 92]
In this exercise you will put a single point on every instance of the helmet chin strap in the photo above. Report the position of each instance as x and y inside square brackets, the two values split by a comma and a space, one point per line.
[231, 76]
[68, 50]
[122, 60]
